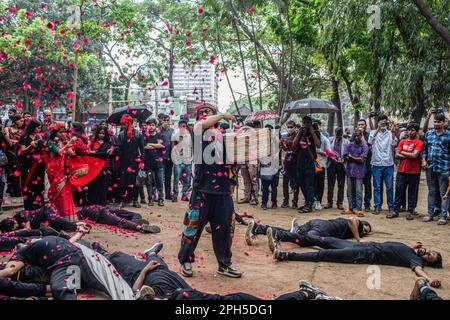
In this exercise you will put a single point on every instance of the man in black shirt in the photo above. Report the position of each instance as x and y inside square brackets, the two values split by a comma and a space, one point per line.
[387, 253]
[305, 144]
[154, 164]
[211, 200]
[166, 135]
[311, 233]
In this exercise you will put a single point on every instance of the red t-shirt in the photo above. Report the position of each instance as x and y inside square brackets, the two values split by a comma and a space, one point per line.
[410, 165]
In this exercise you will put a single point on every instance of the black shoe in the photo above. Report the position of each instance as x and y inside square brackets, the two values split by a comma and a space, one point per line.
[141, 221]
[294, 225]
[208, 228]
[155, 249]
[274, 205]
[151, 203]
[294, 205]
[96, 246]
[161, 203]
[328, 206]
[312, 291]
[285, 204]
[305, 209]
[392, 215]
[145, 228]
[410, 216]
[264, 206]
[229, 271]
[280, 255]
[136, 204]
[186, 270]
[340, 207]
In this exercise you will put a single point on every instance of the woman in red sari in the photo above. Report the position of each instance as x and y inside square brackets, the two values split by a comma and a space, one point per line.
[67, 171]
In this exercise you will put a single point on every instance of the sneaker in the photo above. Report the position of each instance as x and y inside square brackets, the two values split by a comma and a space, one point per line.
[274, 206]
[271, 240]
[442, 222]
[208, 228]
[294, 225]
[280, 255]
[249, 236]
[285, 204]
[229, 271]
[264, 206]
[155, 249]
[319, 206]
[392, 215]
[427, 219]
[145, 228]
[325, 297]
[305, 210]
[161, 202]
[306, 286]
[328, 206]
[410, 216]
[186, 270]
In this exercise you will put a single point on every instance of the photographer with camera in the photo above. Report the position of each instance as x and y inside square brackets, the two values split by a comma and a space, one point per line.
[305, 143]
[289, 165]
[383, 141]
[31, 156]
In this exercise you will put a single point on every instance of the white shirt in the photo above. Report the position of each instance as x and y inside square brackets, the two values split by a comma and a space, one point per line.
[382, 148]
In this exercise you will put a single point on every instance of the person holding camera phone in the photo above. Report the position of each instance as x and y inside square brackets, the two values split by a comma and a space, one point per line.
[31, 155]
[383, 141]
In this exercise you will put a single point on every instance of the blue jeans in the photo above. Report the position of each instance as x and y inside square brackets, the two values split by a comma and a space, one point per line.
[437, 185]
[181, 172]
[354, 193]
[266, 183]
[155, 178]
[306, 182]
[386, 173]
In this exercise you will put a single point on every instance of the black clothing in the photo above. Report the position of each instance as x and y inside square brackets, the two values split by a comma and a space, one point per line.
[305, 157]
[43, 215]
[153, 157]
[103, 215]
[161, 279]
[21, 290]
[192, 294]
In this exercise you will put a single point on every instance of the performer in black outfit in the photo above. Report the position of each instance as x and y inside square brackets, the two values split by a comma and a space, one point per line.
[309, 234]
[373, 253]
[130, 145]
[211, 199]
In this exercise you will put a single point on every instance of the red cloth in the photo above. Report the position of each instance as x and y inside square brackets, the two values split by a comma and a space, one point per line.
[411, 166]
[62, 200]
[128, 121]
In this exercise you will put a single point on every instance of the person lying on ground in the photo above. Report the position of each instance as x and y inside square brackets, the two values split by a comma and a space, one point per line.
[117, 217]
[9, 240]
[373, 253]
[13, 289]
[306, 292]
[422, 291]
[59, 257]
[309, 234]
[33, 219]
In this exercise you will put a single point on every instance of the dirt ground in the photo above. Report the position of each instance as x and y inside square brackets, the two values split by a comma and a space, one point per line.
[266, 278]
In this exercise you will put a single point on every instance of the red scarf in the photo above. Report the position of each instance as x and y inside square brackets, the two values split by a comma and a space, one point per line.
[128, 121]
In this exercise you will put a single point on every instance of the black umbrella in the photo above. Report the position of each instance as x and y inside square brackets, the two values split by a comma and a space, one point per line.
[310, 105]
[141, 113]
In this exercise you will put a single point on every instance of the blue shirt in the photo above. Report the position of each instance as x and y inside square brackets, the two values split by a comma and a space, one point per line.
[437, 151]
[166, 136]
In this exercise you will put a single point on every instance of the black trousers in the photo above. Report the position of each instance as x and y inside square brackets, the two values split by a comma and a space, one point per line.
[21, 290]
[355, 254]
[319, 185]
[105, 217]
[168, 170]
[125, 214]
[9, 242]
[58, 278]
[428, 294]
[406, 181]
[218, 211]
[336, 171]
[193, 294]
[290, 181]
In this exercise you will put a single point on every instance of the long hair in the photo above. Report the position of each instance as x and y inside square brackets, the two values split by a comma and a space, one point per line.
[78, 130]
[29, 129]
[97, 132]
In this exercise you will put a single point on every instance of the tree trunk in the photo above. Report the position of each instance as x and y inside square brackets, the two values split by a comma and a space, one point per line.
[171, 67]
[330, 125]
[127, 90]
[337, 101]
[432, 21]
[419, 98]
[376, 92]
